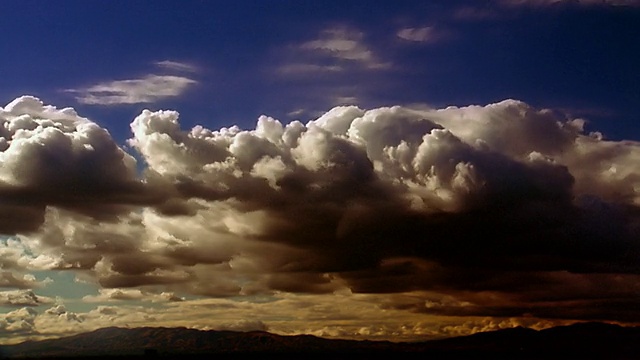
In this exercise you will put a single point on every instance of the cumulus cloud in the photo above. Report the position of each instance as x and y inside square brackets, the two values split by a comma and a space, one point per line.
[22, 298]
[147, 89]
[18, 322]
[499, 210]
[53, 156]
[9, 280]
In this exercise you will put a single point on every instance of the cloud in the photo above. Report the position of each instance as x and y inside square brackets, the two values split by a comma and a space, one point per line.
[147, 89]
[425, 34]
[497, 210]
[9, 280]
[243, 325]
[22, 298]
[303, 68]
[344, 44]
[130, 294]
[53, 156]
[176, 66]
[17, 322]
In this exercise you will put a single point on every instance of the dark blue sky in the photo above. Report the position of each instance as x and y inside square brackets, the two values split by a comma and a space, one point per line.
[249, 58]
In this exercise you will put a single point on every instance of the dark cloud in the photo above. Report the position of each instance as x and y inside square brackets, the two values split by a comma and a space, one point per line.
[55, 157]
[504, 210]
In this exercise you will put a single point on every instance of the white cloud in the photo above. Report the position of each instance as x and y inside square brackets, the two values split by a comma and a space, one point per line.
[303, 68]
[147, 89]
[176, 66]
[22, 298]
[106, 295]
[422, 34]
[17, 322]
[53, 156]
[343, 43]
[9, 280]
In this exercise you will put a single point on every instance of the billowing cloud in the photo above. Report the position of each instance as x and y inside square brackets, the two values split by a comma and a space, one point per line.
[9, 280]
[18, 322]
[22, 298]
[52, 156]
[503, 210]
[147, 89]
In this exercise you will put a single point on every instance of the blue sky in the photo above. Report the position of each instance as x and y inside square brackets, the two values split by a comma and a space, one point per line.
[581, 58]
[425, 128]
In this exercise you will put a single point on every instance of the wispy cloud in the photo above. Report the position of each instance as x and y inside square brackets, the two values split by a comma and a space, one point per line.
[106, 295]
[304, 68]
[176, 66]
[344, 44]
[427, 34]
[147, 89]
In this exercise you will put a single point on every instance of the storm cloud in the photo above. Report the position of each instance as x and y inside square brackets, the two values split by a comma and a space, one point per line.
[497, 210]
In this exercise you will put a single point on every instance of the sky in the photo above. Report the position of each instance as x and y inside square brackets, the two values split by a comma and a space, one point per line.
[390, 170]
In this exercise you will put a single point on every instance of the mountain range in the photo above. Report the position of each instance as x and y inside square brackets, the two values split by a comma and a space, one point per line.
[582, 340]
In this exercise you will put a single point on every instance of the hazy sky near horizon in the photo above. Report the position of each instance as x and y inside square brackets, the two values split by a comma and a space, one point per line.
[397, 170]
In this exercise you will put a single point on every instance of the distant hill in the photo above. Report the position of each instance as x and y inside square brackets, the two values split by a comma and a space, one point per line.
[584, 341]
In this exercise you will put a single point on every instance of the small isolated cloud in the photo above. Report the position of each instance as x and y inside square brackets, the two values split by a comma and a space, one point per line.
[344, 44]
[176, 66]
[422, 34]
[147, 89]
[304, 68]
[296, 112]
[61, 312]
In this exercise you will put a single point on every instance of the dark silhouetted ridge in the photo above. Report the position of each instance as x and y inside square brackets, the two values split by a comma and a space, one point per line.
[585, 340]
